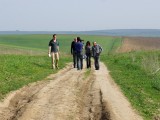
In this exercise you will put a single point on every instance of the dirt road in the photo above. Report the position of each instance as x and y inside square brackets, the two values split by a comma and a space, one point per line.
[69, 95]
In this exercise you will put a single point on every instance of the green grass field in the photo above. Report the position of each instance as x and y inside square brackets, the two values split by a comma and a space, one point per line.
[24, 59]
[136, 73]
[40, 42]
[19, 70]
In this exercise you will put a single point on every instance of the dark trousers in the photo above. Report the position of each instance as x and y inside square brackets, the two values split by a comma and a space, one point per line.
[88, 60]
[79, 61]
[74, 59]
[96, 62]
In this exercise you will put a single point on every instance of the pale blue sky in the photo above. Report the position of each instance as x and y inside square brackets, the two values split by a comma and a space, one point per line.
[78, 15]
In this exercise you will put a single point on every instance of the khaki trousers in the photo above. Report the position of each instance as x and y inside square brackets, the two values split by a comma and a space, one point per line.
[55, 59]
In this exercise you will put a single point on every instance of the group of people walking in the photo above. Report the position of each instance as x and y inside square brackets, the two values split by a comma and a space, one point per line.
[79, 52]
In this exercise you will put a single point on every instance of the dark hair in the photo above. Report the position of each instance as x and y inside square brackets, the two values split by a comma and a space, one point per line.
[88, 43]
[54, 35]
[78, 39]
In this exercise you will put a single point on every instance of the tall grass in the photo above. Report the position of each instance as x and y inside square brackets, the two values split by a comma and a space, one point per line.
[151, 64]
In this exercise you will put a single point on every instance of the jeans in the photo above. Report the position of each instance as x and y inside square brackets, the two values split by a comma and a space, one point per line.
[74, 59]
[79, 61]
[96, 61]
[88, 60]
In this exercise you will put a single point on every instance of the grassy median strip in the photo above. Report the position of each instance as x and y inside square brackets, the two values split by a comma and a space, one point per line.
[138, 80]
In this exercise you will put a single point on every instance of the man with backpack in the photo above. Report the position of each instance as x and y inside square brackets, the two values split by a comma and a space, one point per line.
[96, 51]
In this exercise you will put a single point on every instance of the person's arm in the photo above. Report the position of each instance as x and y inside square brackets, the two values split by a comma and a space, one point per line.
[49, 49]
[58, 47]
[101, 49]
[92, 49]
[72, 48]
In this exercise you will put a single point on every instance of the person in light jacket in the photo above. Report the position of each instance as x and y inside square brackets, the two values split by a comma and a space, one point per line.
[96, 51]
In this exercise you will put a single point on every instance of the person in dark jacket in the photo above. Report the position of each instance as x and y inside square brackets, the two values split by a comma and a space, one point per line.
[73, 52]
[88, 50]
[79, 52]
[96, 51]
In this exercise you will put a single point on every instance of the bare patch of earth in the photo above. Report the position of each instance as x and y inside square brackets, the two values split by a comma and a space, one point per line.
[69, 95]
[139, 43]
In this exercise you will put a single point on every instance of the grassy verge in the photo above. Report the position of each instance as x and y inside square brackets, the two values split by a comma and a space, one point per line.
[18, 70]
[136, 80]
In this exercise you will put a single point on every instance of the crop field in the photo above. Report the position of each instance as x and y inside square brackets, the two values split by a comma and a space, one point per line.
[40, 42]
[139, 44]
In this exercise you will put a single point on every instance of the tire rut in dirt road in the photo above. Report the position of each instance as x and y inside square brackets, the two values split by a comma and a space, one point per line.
[57, 100]
[93, 107]
[69, 95]
[60, 98]
[17, 103]
[114, 102]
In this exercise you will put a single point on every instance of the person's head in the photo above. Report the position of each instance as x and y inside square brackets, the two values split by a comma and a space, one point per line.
[54, 36]
[94, 43]
[78, 39]
[88, 43]
[75, 39]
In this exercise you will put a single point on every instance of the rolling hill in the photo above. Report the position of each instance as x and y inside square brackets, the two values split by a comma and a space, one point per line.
[114, 32]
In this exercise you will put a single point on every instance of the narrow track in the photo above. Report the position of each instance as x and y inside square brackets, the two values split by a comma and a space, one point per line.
[69, 95]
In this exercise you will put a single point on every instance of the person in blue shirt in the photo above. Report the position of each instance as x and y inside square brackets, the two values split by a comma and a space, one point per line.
[79, 51]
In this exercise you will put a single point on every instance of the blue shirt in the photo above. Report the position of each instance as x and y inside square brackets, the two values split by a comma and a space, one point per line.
[79, 47]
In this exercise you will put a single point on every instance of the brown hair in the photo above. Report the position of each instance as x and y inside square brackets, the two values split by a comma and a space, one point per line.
[54, 35]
